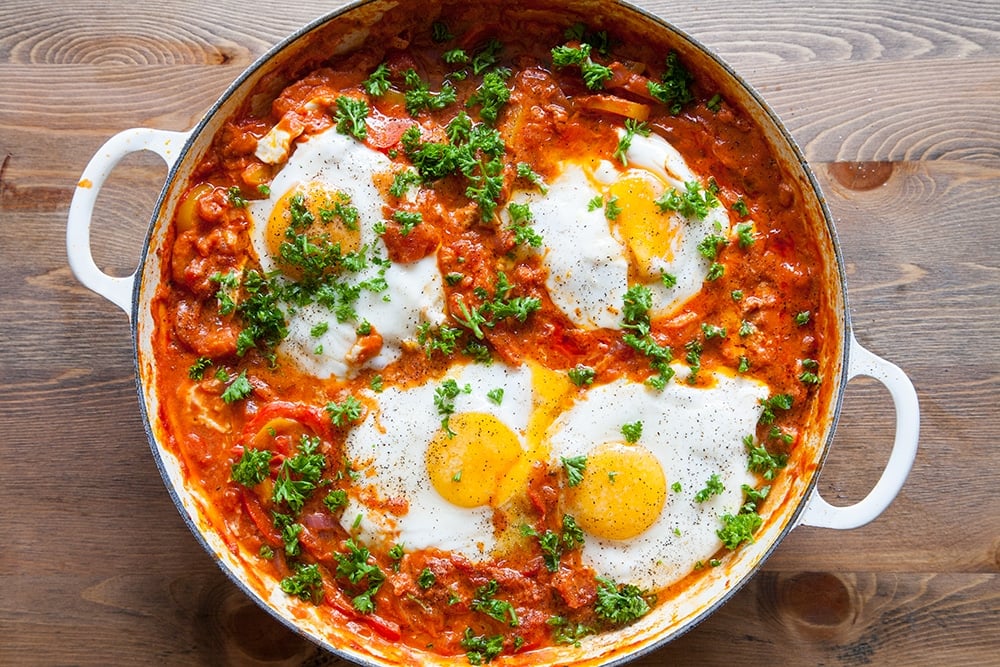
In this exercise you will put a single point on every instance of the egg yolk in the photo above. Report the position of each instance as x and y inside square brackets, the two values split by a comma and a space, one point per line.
[648, 233]
[552, 392]
[622, 492]
[317, 211]
[468, 469]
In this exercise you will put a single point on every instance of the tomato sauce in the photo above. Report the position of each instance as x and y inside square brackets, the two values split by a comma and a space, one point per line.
[772, 285]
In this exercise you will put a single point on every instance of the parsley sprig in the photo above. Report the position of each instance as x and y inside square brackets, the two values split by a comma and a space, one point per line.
[353, 565]
[694, 202]
[638, 301]
[673, 88]
[594, 74]
[474, 151]
[554, 544]
[621, 604]
[632, 128]
[492, 310]
[500, 610]
[299, 475]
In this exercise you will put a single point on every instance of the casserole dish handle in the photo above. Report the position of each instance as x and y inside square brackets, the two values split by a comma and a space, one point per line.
[822, 514]
[117, 290]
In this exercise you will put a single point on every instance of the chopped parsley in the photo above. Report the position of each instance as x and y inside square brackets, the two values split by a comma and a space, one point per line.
[525, 171]
[620, 604]
[491, 95]
[196, 371]
[418, 95]
[715, 271]
[487, 56]
[632, 128]
[612, 209]
[594, 74]
[402, 182]
[455, 57]
[745, 234]
[566, 632]
[341, 209]
[319, 329]
[744, 365]
[740, 207]
[809, 377]
[803, 317]
[500, 610]
[632, 431]
[574, 467]
[638, 300]
[709, 246]
[694, 202]
[779, 401]
[440, 32]
[228, 283]
[407, 220]
[306, 583]
[426, 578]
[299, 475]
[553, 544]
[377, 83]
[713, 487]
[754, 497]
[502, 306]
[712, 331]
[581, 375]
[238, 389]
[715, 103]
[673, 88]
[289, 533]
[348, 410]
[595, 203]
[739, 528]
[747, 328]
[350, 116]
[335, 500]
[236, 197]
[763, 462]
[442, 339]
[520, 223]
[354, 566]
[693, 357]
[444, 400]
[480, 648]
[253, 467]
[396, 554]
[475, 152]
[495, 395]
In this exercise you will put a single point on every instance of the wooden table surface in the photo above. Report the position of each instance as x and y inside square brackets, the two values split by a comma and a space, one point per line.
[897, 108]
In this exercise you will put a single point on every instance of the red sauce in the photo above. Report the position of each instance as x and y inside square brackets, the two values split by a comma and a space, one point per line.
[550, 114]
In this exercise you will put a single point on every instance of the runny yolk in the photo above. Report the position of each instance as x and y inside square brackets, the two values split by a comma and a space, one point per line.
[648, 233]
[467, 469]
[317, 211]
[622, 493]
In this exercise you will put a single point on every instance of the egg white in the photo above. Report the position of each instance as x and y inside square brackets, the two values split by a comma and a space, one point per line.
[656, 155]
[415, 292]
[694, 433]
[585, 256]
[389, 449]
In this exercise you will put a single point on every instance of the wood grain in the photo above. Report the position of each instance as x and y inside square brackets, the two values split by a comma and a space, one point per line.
[897, 107]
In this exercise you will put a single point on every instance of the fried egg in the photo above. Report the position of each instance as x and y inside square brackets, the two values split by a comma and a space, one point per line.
[428, 482]
[636, 500]
[326, 176]
[604, 232]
